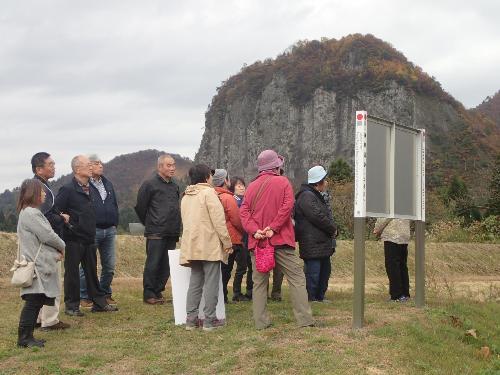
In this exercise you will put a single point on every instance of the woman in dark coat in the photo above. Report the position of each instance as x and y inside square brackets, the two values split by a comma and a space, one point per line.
[315, 231]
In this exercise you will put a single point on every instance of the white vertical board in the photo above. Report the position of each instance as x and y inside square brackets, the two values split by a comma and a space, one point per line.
[179, 277]
[360, 165]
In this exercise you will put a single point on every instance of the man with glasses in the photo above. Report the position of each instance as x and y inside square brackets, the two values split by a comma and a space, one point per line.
[44, 168]
[75, 199]
[106, 209]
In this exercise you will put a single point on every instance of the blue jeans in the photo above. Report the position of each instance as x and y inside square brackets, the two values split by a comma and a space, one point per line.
[105, 242]
[317, 273]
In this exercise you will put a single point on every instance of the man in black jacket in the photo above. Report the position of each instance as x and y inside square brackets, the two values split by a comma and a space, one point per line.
[315, 231]
[158, 209]
[44, 168]
[75, 199]
[106, 209]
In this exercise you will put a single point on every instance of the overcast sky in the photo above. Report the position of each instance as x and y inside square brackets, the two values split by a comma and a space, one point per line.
[115, 77]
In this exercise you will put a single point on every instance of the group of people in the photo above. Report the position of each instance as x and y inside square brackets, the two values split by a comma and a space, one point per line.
[220, 221]
[67, 227]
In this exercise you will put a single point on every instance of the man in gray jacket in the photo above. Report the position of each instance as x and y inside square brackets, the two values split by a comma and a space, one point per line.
[43, 166]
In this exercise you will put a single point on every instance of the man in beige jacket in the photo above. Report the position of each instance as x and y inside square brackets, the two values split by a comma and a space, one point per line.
[205, 243]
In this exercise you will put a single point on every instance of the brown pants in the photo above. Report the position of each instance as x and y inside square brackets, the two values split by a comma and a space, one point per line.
[289, 263]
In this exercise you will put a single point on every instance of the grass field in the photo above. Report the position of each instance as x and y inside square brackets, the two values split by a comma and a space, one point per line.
[463, 294]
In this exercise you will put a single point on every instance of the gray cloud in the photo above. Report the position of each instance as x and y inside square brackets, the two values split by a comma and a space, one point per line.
[120, 76]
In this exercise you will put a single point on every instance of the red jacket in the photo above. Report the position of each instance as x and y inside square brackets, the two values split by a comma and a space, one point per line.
[232, 212]
[273, 209]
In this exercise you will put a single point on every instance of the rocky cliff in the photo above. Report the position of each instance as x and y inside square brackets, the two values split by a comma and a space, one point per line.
[303, 103]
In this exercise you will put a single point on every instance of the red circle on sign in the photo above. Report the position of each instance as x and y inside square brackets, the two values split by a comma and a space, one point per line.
[360, 117]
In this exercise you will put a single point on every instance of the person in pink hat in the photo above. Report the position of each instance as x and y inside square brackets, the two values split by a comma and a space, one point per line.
[266, 212]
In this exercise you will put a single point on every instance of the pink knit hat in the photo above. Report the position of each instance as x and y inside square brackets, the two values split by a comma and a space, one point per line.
[269, 159]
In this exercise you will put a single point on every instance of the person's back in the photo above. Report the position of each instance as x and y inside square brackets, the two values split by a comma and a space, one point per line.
[269, 201]
[266, 215]
[202, 231]
[205, 243]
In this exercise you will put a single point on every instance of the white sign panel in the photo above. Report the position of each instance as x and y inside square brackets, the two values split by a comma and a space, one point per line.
[179, 277]
[389, 169]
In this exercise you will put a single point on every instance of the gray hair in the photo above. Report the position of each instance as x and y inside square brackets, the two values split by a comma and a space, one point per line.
[75, 162]
[94, 157]
[162, 158]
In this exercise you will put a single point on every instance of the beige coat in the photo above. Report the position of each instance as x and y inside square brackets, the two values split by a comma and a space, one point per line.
[204, 235]
[397, 230]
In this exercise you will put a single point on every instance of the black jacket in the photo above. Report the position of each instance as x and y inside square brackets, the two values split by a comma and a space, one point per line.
[49, 209]
[314, 226]
[72, 200]
[106, 212]
[158, 207]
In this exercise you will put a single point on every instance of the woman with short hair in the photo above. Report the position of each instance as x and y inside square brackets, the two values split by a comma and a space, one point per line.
[40, 244]
[205, 244]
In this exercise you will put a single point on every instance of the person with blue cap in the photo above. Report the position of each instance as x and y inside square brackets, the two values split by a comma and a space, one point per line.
[315, 231]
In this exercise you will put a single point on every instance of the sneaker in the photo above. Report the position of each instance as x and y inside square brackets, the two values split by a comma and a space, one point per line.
[240, 298]
[110, 301]
[212, 325]
[55, 327]
[107, 308]
[75, 312]
[192, 324]
[86, 303]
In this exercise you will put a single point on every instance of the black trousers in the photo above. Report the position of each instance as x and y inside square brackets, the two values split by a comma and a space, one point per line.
[240, 256]
[85, 254]
[157, 267]
[396, 257]
[249, 275]
[29, 313]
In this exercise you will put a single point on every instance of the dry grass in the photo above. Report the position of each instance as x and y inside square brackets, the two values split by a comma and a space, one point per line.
[397, 338]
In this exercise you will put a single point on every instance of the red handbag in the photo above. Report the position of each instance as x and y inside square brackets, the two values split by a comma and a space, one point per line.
[264, 256]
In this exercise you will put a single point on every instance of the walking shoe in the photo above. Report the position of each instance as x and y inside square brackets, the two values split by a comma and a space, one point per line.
[213, 324]
[240, 298]
[192, 324]
[110, 301]
[154, 301]
[25, 338]
[75, 312]
[55, 327]
[86, 303]
[276, 298]
[107, 308]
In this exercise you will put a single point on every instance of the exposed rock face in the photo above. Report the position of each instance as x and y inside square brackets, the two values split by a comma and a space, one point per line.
[317, 132]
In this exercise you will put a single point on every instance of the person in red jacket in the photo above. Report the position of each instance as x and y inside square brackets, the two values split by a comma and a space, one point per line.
[221, 182]
[266, 212]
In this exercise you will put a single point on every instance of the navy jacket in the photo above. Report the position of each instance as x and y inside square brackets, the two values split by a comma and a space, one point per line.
[72, 200]
[48, 208]
[106, 212]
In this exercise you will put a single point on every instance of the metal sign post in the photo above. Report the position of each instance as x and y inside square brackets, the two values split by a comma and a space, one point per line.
[389, 183]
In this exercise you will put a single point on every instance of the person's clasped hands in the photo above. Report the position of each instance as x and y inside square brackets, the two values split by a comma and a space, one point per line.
[263, 233]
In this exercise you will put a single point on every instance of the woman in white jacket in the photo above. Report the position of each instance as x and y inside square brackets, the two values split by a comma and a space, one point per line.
[35, 236]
